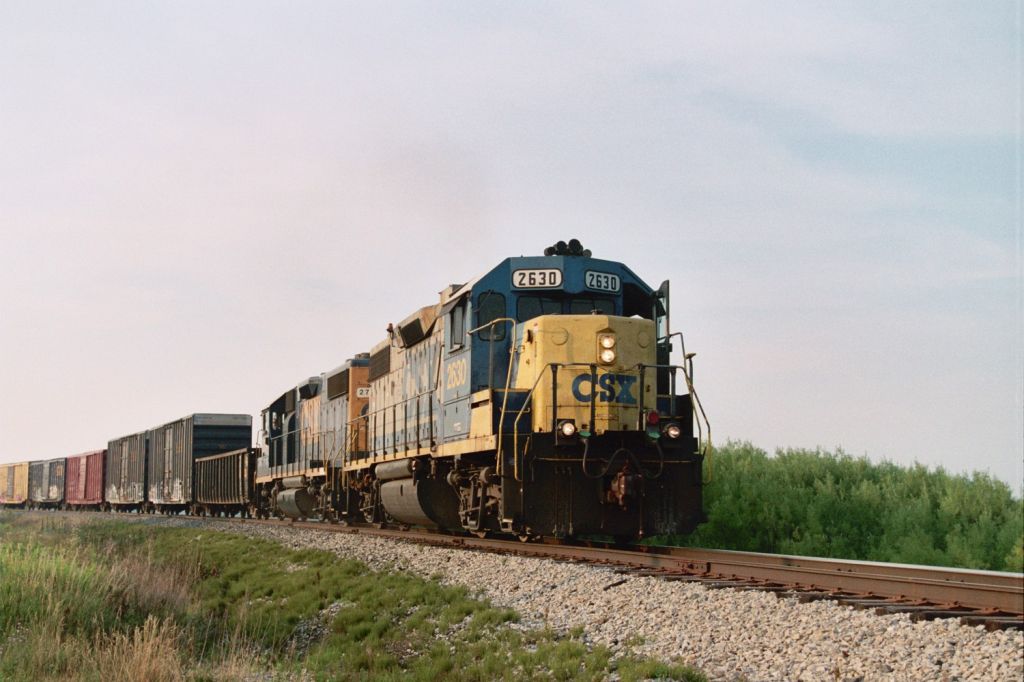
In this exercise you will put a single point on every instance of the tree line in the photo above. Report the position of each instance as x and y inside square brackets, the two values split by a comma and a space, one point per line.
[831, 504]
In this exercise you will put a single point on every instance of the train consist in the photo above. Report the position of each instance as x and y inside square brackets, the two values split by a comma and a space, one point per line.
[539, 399]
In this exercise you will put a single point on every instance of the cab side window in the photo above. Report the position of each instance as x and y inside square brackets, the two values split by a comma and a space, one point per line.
[457, 327]
[491, 306]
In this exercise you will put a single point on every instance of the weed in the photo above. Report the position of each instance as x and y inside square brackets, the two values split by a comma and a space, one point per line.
[116, 601]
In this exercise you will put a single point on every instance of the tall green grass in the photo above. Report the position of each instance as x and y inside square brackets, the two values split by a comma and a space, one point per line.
[68, 611]
[127, 601]
[818, 503]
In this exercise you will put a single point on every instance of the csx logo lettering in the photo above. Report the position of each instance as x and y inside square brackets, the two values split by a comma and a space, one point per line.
[609, 388]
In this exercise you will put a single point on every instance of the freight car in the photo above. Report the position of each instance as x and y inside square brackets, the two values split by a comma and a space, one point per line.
[225, 484]
[14, 484]
[46, 483]
[174, 447]
[539, 399]
[125, 485]
[83, 480]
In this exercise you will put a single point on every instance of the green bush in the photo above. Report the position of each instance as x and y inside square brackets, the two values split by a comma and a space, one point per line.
[817, 503]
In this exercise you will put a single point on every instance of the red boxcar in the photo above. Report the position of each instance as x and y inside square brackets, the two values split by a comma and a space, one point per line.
[84, 479]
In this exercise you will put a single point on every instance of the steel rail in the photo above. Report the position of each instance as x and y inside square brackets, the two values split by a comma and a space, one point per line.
[941, 591]
[990, 592]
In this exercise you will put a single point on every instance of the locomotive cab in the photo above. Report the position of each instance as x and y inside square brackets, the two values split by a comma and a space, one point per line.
[570, 373]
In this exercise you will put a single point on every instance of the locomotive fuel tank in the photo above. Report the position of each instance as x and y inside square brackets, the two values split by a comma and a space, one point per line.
[417, 501]
[294, 500]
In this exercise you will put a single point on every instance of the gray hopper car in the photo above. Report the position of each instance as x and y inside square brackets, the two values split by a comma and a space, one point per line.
[225, 483]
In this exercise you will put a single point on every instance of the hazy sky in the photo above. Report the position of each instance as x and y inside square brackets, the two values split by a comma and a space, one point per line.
[201, 203]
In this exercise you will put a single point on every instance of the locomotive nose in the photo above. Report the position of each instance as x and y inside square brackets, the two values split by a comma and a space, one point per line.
[587, 369]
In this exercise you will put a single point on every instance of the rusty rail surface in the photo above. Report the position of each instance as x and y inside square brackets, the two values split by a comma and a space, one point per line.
[929, 590]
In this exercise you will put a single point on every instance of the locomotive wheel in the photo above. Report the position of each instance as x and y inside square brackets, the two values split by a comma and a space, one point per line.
[389, 521]
[369, 505]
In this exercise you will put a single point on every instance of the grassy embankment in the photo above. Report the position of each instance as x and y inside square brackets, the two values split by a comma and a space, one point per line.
[87, 600]
[817, 503]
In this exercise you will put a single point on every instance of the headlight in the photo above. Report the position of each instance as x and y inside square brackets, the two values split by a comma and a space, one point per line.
[673, 431]
[568, 429]
[606, 340]
[607, 356]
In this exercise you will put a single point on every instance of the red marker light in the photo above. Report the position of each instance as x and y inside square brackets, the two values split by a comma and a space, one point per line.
[653, 417]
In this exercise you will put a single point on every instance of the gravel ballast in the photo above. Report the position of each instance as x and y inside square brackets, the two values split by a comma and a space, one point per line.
[729, 634]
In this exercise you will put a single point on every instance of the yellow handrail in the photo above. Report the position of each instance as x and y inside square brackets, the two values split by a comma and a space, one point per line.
[508, 378]
[515, 424]
[708, 447]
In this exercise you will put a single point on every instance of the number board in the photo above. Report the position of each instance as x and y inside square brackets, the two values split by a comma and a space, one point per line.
[363, 392]
[603, 281]
[546, 278]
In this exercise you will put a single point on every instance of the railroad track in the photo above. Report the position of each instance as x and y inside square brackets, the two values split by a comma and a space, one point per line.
[989, 598]
[992, 599]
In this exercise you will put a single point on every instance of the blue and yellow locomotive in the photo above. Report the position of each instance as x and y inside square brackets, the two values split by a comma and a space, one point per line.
[536, 400]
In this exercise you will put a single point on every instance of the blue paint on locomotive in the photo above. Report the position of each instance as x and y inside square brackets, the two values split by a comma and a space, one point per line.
[307, 425]
[521, 289]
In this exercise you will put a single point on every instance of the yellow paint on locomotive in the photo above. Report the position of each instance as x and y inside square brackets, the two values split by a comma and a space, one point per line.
[481, 415]
[573, 342]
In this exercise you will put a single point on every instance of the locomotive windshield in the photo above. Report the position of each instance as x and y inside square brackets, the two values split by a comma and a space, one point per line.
[586, 306]
[529, 307]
